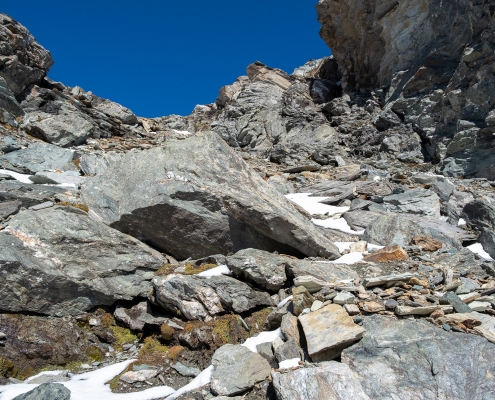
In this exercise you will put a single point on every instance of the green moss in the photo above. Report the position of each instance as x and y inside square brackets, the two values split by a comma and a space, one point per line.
[95, 353]
[152, 352]
[167, 332]
[229, 329]
[114, 383]
[192, 269]
[122, 336]
[8, 369]
[257, 320]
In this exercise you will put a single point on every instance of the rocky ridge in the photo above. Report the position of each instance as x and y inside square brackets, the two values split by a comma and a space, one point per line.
[325, 234]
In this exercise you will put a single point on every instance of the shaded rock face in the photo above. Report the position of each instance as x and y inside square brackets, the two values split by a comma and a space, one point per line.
[58, 261]
[413, 359]
[23, 61]
[434, 63]
[481, 215]
[33, 343]
[196, 197]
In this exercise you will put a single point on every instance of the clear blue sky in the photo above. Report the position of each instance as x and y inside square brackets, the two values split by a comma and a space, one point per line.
[163, 57]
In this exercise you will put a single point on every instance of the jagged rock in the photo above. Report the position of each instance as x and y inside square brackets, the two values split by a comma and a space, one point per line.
[324, 271]
[7, 208]
[57, 178]
[23, 60]
[52, 117]
[196, 197]
[302, 299]
[264, 269]
[454, 300]
[38, 157]
[61, 262]
[35, 342]
[10, 109]
[414, 201]
[136, 317]
[426, 243]
[397, 229]
[289, 328]
[115, 110]
[46, 391]
[288, 351]
[196, 297]
[328, 331]
[30, 195]
[328, 380]
[139, 376]
[421, 361]
[481, 215]
[388, 253]
[237, 369]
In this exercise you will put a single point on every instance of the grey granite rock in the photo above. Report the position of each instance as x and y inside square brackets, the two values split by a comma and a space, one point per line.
[58, 261]
[414, 201]
[46, 391]
[197, 197]
[325, 381]
[237, 369]
[415, 360]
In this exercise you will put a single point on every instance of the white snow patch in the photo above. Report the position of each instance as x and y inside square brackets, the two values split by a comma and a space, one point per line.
[185, 133]
[263, 337]
[288, 364]
[91, 386]
[343, 246]
[284, 301]
[201, 380]
[477, 248]
[20, 177]
[350, 258]
[461, 222]
[337, 224]
[217, 271]
[374, 246]
[312, 204]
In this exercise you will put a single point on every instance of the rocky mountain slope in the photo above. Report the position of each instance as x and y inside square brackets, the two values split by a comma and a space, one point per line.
[325, 234]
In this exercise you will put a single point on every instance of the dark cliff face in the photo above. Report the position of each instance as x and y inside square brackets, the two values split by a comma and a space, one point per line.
[434, 60]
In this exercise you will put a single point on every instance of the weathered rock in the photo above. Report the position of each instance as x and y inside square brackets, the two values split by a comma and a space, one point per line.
[420, 361]
[322, 271]
[289, 328]
[57, 178]
[301, 299]
[388, 253]
[237, 369]
[288, 351]
[426, 243]
[33, 343]
[196, 197]
[328, 331]
[264, 269]
[196, 297]
[30, 195]
[328, 380]
[10, 109]
[136, 317]
[311, 283]
[46, 391]
[115, 110]
[139, 376]
[414, 201]
[23, 60]
[380, 280]
[7, 208]
[344, 298]
[393, 229]
[481, 215]
[454, 300]
[405, 310]
[58, 261]
[265, 350]
[37, 157]
[186, 371]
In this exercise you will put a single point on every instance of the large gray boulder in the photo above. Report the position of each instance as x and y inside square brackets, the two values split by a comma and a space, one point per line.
[38, 157]
[58, 261]
[481, 215]
[196, 297]
[237, 369]
[197, 197]
[414, 201]
[46, 391]
[23, 61]
[401, 359]
[325, 381]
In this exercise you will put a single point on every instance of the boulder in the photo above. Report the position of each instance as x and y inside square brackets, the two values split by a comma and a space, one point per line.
[328, 380]
[23, 60]
[266, 270]
[38, 157]
[288, 351]
[46, 391]
[237, 369]
[481, 215]
[197, 197]
[388, 253]
[30, 195]
[115, 110]
[290, 328]
[415, 360]
[197, 297]
[414, 201]
[58, 261]
[328, 331]
[57, 178]
[139, 315]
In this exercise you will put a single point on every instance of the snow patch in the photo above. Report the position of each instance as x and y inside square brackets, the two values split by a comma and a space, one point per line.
[312, 204]
[349, 259]
[462, 222]
[478, 249]
[263, 337]
[339, 224]
[201, 380]
[284, 301]
[288, 364]
[19, 177]
[184, 133]
[217, 271]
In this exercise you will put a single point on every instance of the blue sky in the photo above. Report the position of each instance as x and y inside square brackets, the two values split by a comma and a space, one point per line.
[164, 57]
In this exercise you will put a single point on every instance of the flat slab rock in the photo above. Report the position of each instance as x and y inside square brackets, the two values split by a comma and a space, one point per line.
[401, 359]
[196, 197]
[58, 261]
[237, 369]
[325, 381]
[197, 297]
[328, 331]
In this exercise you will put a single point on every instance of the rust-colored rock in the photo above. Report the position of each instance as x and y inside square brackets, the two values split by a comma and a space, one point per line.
[426, 243]
[389, 253]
